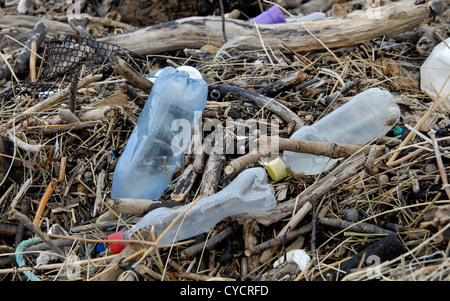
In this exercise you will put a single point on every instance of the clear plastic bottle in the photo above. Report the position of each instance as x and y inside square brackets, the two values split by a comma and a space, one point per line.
[368, 115]
[435, 71]
[160, 136]
[248, 193]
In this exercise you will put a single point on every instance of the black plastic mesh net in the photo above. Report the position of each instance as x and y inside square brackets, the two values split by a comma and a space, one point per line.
[67, 56]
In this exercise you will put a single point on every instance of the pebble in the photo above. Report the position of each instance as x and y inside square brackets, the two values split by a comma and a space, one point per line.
[351, 215]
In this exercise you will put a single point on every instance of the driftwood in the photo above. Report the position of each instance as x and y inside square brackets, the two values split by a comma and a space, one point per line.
[291, 79]
[135, 78]
[184, 184]
[36, 230]
[213, 167]
[30, 21]
[251, 233]
[132, 95]
[362, 227]
[329, 149]
[134, 206]
[278, 240]
[343, 31]
[206, 245]
[211, 174]
[20, 65]
[261, 101]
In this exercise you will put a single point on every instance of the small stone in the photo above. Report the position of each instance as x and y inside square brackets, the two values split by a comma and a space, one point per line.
[383, 179]
[430, 168]
[351, 215]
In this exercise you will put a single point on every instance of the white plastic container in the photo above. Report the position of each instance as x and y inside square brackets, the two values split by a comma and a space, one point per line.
[368, 115]
[155, 146]
[435, 71]
[248, 193]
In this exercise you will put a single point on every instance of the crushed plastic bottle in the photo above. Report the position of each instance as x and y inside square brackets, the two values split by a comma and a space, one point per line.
[368, 115]
[249, 192]
[435, 71]
[161, 134]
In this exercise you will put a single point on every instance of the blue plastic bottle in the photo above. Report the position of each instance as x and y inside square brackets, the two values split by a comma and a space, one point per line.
[161, 134]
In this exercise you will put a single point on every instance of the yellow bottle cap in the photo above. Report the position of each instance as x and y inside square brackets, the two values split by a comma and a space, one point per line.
[277, 170]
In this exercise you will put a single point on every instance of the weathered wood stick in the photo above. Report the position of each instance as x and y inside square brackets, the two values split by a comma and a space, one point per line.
[251, 233]
[135, 206]
[361, 227]
[206, 245]
[329, 149]
[30, 225]
[24, 21]
[184, 184]
[61, 128]
[21, 62]
[291, 79]
[133, 95]
[134, 77]
[47, 194]
[32, 64]
[8, 229]
[68, 116]
[99, 191]
[213, 166]
[261, 101]
[212, 174]
[278, 240]
[343, 31]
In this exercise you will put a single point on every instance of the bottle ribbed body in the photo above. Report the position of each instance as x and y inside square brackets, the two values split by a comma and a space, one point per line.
[160, 136]
[368, 115]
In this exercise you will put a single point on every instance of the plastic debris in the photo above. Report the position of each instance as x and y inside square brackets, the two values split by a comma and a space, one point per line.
[300, 257]
[435, 71]
[161, 135]
[368, 115]
[248, 193]
[273, 15]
